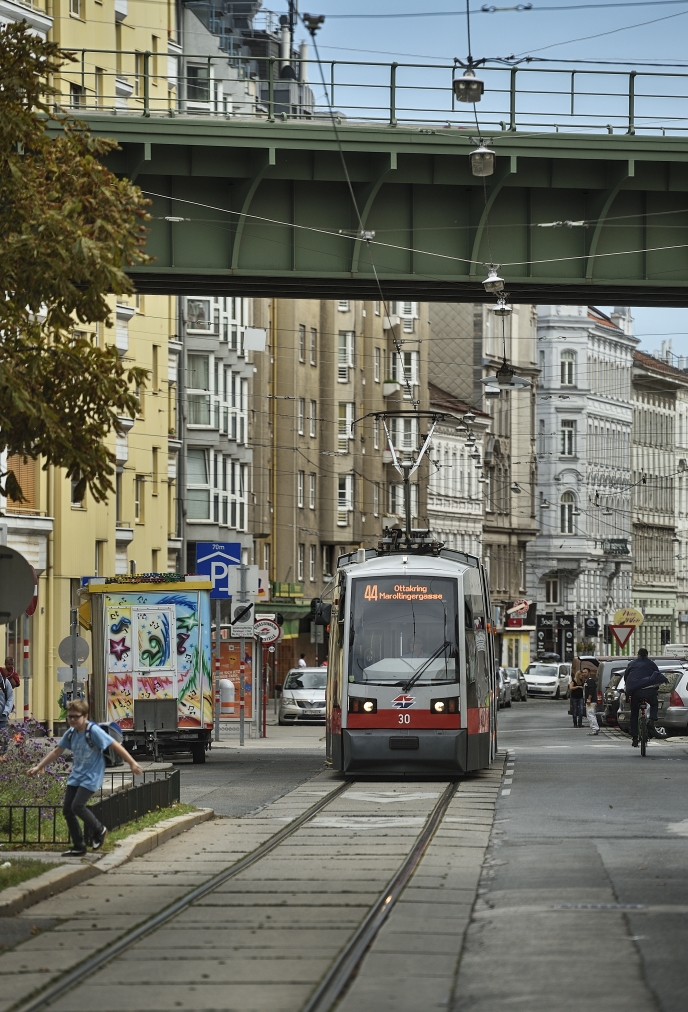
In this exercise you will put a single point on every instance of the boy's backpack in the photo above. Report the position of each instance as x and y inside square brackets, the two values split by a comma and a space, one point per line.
[113, 730]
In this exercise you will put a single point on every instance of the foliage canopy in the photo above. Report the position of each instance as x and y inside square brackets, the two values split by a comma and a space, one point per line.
[68, 230]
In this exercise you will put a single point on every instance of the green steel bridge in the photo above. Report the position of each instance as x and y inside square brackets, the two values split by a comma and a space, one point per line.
[588, 201]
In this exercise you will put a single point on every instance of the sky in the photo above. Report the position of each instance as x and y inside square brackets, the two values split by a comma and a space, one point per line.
[630, 34]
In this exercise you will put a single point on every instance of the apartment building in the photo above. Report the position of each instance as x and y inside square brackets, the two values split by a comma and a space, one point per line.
[469, 344]
[579, 565]
[659, 396]
[323, 481]
[63, 537]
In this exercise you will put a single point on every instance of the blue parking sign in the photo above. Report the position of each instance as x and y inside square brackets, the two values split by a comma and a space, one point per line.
[213, 559]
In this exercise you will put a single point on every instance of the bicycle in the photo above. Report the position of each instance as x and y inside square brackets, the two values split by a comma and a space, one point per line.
[642, 726]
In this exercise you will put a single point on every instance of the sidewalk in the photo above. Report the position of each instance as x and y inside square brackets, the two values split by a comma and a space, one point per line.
[309, 737]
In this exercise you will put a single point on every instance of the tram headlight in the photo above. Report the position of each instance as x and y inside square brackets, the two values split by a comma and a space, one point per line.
[358, 705]
[448, 704]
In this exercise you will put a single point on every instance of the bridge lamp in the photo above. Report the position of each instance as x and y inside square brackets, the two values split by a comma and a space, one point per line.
[502, 309]
[482, 161]
[516, 488]
[468, 88]
[493, 283]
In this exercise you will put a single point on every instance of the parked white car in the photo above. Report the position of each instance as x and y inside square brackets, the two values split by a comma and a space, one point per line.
[303, 696]
[548, 679]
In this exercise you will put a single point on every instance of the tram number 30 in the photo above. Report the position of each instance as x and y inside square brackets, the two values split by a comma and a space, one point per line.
[404, 718]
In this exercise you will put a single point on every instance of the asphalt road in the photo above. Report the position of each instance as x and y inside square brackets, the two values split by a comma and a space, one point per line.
[583, 900]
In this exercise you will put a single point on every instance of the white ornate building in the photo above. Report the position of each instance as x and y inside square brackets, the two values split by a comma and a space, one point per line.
[579, 565]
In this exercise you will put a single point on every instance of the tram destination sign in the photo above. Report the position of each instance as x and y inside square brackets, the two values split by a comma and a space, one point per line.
[390, 591]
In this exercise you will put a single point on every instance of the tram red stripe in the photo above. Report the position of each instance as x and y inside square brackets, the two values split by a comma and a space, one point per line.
[418, 718]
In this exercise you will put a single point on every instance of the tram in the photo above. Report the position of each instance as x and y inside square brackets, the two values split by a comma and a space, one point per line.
[411, 671]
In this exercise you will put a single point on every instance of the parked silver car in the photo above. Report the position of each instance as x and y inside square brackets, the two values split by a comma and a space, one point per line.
[504, 686]
[548, 679]
[303, 696]
[672, 712]
[519, 686]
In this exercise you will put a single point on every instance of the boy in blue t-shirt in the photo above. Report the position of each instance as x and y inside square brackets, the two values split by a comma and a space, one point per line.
[86, 742]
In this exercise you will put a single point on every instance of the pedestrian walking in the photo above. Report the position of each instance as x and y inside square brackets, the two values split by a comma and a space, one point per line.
[589, 668]
[6, 700]
[86, 741]
[576, 697]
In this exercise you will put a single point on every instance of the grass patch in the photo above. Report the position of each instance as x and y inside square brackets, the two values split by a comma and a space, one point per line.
[21, 870]
[145, 822]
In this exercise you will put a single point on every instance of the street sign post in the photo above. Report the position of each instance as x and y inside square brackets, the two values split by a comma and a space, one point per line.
[267, 629]
[217, 560]
[622, 633]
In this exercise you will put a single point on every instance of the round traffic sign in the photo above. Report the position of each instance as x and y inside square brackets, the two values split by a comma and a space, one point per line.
[65, 649]
[627, 616]
[271, 650]
[268, 630]
[17, 584]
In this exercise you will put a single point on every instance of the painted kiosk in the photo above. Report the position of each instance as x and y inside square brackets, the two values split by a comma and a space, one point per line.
[151, 661]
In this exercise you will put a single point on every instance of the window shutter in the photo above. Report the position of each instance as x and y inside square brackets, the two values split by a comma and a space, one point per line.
[25, 472]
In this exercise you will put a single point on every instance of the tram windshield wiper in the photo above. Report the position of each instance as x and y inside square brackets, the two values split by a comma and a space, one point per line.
[442, 649]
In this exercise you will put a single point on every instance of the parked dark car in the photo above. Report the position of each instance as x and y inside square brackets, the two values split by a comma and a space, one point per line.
[504, 687]
[519, 686]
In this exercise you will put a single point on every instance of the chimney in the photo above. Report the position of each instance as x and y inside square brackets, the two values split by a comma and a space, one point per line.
[303, 66]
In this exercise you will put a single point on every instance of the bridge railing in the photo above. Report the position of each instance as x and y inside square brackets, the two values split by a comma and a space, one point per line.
[131, 83]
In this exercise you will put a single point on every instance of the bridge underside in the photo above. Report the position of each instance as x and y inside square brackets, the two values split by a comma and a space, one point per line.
[263, 205]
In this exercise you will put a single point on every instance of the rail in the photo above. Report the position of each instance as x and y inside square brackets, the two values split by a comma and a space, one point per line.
[115, 805]
[150, 84]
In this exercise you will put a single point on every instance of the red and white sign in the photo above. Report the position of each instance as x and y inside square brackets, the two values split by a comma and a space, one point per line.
[519, 609]
[622, 633]
[267, 630]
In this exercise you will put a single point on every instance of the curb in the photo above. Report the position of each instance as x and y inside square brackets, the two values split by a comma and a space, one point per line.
[57, 880]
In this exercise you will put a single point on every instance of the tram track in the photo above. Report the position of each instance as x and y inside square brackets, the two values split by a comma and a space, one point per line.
[346, 962]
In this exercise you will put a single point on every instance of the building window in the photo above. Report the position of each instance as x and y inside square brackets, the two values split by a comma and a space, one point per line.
[567, 506]
[198, 315]
[155, 370]
[404, 368]
[376, 499]
[552, 591]
[313, 411]
[75, 7]
[300, 414]
[139, 499]
[314, 347]
[266, 557]
[408, 313]
[327, 559]
[76, 96]
[343, 306]
[76, 498]
[376, 433]
[100, 558]
[568, 368]
[376, 365]
[346, 417]
[311, 491]
[345, 355]
[377, 308]
[311, 563]
[198, 485]
[300, 484]
[302, 343]
[154, 467]
[568, 438]
[198, 83]
[345, 498]
[301, 560]
[118, 496]
[198, 394]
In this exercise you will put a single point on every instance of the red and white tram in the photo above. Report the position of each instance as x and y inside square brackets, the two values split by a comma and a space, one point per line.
[412, 678]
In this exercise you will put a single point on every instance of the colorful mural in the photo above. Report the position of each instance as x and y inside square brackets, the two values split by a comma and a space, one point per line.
[159, 648]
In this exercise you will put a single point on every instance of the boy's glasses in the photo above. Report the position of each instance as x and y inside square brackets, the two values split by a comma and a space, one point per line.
[74, 716]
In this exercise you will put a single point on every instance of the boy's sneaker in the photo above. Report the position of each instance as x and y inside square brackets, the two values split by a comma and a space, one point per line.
[99, 840]
[73, 852]
[593, 733]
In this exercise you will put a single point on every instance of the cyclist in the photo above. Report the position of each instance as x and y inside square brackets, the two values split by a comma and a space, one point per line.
[642, 679]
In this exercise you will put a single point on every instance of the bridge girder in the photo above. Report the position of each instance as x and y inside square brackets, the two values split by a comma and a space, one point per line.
[254, 190]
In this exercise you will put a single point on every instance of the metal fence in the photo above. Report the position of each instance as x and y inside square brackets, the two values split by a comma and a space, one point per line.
[116, 804]
[241, 87]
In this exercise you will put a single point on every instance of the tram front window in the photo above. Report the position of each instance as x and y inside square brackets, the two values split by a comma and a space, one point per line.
[404, 631]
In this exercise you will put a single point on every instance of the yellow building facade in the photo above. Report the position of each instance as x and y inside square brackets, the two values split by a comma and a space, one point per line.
[135, 531]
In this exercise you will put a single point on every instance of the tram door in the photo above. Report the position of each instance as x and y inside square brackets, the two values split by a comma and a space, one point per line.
[492, 665]
[335, 675]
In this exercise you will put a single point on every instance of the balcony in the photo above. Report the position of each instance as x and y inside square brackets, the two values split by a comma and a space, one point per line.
[616, 546]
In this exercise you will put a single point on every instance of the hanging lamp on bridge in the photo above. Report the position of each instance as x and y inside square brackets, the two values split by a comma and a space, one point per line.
[482, 160]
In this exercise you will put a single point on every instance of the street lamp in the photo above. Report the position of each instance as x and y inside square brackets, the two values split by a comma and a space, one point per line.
[482, 161]
[516, 488]
[501, 309]
[493, 283]
[468, 88]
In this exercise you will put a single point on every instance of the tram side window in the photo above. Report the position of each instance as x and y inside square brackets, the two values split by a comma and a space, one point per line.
[476, 640]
